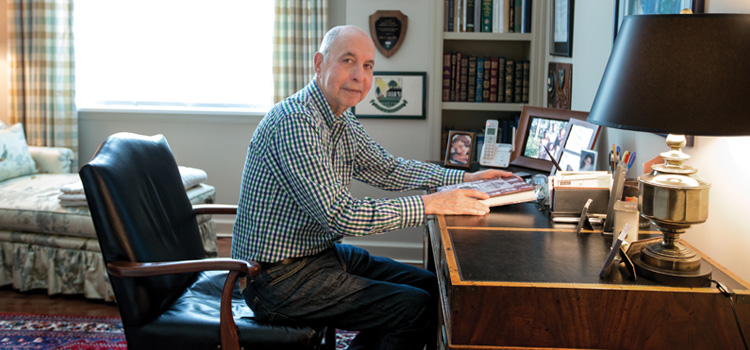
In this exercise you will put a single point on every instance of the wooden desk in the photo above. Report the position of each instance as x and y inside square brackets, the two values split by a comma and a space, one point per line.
[515, 280]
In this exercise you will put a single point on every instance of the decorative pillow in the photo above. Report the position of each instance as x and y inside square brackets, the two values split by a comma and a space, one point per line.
[15, 159]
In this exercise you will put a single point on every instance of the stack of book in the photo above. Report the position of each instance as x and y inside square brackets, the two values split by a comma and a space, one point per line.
[489, 16]
[485, 79]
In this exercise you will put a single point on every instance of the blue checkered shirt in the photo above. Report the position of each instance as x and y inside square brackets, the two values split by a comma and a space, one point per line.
[294, 198]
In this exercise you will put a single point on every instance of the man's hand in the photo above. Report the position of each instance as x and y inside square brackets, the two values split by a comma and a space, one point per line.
[456, 202]
[486, 174]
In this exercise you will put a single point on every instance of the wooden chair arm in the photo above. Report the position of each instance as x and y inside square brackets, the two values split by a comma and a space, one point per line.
[145, 269]
[201, 209]
[229, 336]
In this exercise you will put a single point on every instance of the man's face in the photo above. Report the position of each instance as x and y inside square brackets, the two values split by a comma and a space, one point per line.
[345, 76]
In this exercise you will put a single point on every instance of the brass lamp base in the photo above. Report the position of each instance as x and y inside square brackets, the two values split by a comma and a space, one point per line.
[673, 198]
[697, 278]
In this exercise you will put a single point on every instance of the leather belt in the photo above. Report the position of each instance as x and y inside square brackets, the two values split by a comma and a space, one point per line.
[265, 265]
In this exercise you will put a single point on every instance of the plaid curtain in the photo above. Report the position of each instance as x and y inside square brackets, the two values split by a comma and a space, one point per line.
[40, 35]
[299, 27]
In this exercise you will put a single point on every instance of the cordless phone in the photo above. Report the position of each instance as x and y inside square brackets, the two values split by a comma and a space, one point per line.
[493, 153]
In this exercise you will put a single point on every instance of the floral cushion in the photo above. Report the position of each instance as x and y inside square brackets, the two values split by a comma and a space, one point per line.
[15, 159]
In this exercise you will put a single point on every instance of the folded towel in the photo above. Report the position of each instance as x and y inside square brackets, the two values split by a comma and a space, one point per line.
[73, 195]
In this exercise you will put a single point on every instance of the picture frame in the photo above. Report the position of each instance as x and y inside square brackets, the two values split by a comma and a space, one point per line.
[395, 95]
[649, 7]
[580, 138]
[534, 123]
[562, 28]
[460, 149]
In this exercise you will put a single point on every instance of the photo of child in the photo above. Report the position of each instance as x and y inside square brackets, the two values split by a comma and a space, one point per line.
[460, 146]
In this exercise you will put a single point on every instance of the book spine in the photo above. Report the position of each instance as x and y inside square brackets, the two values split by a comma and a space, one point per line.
[471, 89]
[518, 83]
[501, 79]
[527, 16]
[526, 72]
[518, 16]
[453, 77]
[463, 90]
[493, 79]
[510, 66]
[486, 15]
[487, 77]
[446, 77]
[457, 85]
[470, 15]
[449, 21]
[511, 16]
[480, 80]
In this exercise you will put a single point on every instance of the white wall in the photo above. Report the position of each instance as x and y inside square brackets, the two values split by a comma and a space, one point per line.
[403, 138]
[725, 236]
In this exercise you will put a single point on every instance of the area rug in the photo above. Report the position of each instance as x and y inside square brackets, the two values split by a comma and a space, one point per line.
[29, 331]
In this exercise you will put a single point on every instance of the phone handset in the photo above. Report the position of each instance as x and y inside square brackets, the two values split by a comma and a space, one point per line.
[493, 153]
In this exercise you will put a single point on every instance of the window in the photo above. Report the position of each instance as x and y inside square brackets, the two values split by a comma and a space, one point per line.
[174, 55]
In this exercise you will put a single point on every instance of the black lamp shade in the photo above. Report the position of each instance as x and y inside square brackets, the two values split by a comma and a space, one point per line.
[678, 74]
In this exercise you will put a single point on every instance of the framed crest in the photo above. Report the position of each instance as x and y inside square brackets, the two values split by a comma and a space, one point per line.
[388, 30]
[398, 95]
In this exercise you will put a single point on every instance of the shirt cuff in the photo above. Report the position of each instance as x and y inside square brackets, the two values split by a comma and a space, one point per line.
[454, 176]
[412, 209]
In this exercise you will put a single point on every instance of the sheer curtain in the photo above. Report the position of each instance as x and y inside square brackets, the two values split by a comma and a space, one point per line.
[42, 71]
[299, 27]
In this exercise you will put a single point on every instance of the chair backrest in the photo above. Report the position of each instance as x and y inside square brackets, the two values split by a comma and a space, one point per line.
[141, 213]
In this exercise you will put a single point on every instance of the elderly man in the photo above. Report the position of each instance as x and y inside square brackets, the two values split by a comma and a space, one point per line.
[295, 205]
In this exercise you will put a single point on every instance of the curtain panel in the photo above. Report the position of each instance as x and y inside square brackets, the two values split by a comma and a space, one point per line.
[299, 27]
[41, 71]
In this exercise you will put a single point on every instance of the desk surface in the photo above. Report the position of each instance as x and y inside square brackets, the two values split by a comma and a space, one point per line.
[533, 249]
[514, 279]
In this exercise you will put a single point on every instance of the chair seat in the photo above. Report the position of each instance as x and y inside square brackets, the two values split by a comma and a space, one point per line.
[194, 320]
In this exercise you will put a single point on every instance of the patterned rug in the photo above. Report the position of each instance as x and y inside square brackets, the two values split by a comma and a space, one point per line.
[28, 331]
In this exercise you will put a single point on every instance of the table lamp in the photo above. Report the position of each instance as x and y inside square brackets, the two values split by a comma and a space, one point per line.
[684, 74]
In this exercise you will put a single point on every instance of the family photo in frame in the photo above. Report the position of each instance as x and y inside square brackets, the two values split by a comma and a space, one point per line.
[460, 149]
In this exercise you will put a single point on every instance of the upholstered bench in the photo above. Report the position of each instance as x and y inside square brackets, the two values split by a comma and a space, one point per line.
[45, 245]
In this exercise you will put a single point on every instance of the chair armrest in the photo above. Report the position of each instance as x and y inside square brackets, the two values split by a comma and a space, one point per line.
[201, 209]
[52, 160]
[237, 268]
[146, 269]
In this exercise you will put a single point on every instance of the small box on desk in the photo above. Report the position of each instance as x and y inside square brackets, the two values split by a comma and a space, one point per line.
[570, 200]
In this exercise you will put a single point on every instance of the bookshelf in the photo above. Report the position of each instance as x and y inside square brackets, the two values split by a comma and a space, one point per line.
[470, 116]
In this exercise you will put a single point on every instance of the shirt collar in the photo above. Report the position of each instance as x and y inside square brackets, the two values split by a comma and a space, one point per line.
[330, 118]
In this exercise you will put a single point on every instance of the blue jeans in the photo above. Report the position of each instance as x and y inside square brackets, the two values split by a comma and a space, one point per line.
[392, 305]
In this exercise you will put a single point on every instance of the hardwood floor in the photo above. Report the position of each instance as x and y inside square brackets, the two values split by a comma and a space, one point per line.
[38, 302]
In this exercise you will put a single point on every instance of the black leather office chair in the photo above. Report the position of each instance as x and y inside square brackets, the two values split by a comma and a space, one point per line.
[169, 296]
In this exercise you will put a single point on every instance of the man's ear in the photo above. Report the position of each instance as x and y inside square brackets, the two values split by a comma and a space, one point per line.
[318, 60]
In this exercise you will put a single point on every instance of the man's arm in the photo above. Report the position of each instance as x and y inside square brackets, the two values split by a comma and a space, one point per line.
[462, 201]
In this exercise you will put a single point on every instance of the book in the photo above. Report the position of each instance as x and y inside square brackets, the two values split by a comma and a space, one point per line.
[471, 88]
[456, 93]
[518, 82]
[501, 79]
[480, 80]
[446, 77]
[454, 72]
[486, 16]
[493, 79]
[510, 73]
[502, 191]
[486, 80]
[464, 79]
[470, 15]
